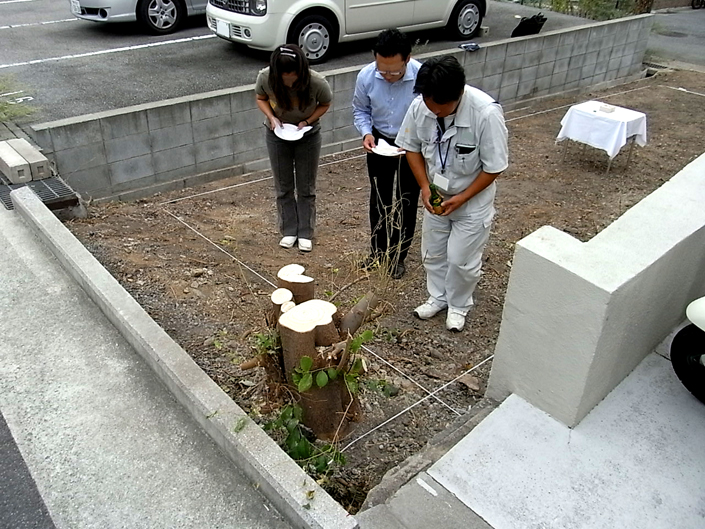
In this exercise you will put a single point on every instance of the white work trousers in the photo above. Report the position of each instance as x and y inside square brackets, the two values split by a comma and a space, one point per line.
[451, 249]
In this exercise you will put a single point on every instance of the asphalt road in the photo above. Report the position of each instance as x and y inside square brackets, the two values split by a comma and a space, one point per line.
[679, 35]
[72, 67]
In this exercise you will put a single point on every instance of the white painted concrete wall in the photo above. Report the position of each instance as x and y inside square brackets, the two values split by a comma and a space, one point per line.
[578, 317]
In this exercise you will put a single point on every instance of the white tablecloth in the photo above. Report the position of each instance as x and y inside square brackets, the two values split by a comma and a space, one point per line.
[608, 131]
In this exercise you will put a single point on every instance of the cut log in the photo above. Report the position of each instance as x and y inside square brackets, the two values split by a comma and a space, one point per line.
[357, 315]
[279, 297]
[291, 277]
[287, 306]
[302, 328]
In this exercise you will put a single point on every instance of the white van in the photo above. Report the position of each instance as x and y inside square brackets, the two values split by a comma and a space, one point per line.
[318, 25]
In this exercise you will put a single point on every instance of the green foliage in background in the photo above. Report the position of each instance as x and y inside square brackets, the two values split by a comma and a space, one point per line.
[593, 9]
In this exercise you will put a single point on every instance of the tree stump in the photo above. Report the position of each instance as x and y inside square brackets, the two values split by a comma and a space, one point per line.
[279, 297]
[302, 329]
[291, 277]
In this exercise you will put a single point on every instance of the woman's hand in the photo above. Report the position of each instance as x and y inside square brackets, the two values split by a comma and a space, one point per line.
[274, 122]
[303, 124]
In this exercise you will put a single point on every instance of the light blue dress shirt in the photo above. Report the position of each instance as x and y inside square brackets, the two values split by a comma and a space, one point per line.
[380, 104]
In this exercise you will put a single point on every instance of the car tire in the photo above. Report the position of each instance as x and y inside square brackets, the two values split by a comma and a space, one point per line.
[316, 36]
[465, 20]
[161, 17]
[686, 349]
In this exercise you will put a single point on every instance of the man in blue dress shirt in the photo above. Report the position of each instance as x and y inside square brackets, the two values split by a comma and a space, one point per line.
[383, 92]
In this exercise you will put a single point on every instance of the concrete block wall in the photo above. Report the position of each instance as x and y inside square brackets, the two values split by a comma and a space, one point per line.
[139, 150]
[579, 317]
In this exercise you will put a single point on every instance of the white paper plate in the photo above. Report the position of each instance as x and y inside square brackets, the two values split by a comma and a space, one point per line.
[384, 149]
[291, 132]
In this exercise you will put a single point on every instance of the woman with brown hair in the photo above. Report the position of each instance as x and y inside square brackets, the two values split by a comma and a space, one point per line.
[293, 97]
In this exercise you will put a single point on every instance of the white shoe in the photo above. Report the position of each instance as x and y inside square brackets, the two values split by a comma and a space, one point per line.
[427, 310]
[288, 241]
[455, 321]
[305, 245]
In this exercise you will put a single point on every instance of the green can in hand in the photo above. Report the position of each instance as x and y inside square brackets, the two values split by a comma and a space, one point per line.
[436, 200]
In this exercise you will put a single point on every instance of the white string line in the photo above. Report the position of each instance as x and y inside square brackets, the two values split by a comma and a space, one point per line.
[252, 181]
[402, 412]
[680, 89]
[217, 190]
[571, 104]
[221, 249]
[412, 380]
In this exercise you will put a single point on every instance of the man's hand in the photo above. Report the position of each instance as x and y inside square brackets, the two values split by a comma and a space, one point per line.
[426, 198]
[368, 142]
[449, 205]
[274, 123]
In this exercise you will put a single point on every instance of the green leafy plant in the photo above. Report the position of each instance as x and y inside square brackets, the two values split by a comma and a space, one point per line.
[382, 386]
[309, 456]
[267, 342]
[304, 378]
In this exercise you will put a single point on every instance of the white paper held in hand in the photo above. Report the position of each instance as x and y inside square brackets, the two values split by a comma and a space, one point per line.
[384, 149]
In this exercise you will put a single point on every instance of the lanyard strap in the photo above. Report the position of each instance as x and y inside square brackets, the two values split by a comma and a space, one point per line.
[441, 131]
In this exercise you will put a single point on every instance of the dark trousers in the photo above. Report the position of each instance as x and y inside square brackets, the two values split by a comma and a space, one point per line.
[392, 224]
[294, 168]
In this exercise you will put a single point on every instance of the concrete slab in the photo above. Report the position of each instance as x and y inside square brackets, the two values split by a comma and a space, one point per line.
[424, 503]
[106, 443]
[634, 462]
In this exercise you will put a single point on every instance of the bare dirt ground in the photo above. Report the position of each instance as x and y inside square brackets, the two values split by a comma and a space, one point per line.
[184, 257]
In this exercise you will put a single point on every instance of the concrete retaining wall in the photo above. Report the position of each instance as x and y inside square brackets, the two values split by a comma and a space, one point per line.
[579, 317]
[170, 144]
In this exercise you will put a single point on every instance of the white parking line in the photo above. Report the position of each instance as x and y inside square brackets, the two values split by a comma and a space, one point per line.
[103, 52]
[14, 1]
[12, 26]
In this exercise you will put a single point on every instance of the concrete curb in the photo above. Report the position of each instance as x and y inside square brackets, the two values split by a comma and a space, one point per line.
[295, 494]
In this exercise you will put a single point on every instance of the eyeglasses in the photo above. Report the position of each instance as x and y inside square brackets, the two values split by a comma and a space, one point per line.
[391, 74]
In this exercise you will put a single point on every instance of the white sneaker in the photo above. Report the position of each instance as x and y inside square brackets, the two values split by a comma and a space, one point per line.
[288, 241]
[455, 321]
[427, 310]
[305, 245]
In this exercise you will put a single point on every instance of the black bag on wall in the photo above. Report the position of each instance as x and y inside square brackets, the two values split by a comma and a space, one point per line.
[529, 26]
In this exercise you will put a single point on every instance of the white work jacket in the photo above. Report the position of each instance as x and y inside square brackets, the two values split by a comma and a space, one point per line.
[476, 140]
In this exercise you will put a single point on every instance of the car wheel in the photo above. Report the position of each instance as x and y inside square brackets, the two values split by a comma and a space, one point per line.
[161, 16]
[465, 20]
[316, 37]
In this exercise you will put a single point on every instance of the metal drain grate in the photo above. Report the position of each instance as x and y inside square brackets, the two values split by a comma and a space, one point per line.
[52, 191]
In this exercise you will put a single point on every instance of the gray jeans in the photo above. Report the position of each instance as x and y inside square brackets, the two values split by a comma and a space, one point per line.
[294, 167]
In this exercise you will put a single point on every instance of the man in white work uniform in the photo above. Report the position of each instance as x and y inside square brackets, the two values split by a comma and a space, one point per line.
[456, 139]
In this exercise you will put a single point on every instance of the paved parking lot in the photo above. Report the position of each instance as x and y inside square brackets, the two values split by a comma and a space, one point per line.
[72, 67]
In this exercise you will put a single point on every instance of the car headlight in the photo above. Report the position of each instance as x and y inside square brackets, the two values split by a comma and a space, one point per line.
[259, 7]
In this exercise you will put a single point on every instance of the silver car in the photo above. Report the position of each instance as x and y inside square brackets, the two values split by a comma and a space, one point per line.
[158, 16]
